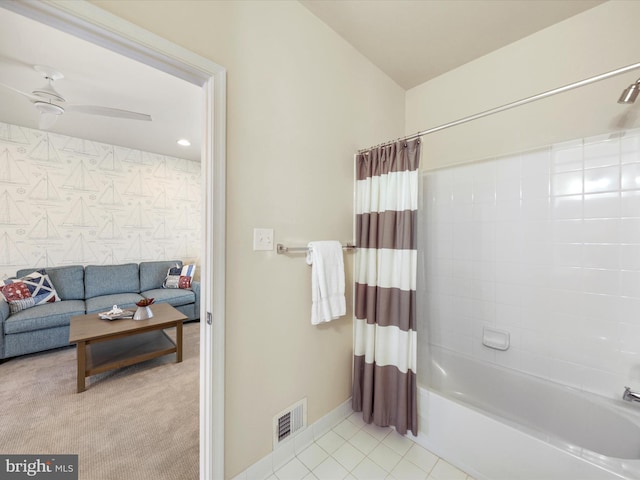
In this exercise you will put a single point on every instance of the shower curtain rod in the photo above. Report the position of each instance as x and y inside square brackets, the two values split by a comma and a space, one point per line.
[508, 106]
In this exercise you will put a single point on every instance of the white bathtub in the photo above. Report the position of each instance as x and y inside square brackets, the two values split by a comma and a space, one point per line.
[496, 423]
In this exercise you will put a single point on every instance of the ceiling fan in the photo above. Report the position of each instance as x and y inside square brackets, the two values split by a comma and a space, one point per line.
[51, 104]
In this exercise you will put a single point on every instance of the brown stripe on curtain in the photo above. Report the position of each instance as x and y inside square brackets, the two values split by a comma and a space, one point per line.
[397, 388]
[396, 157]
[386, 306]
[390, 229]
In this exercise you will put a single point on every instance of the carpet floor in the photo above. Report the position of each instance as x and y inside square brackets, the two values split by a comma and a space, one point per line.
[136, 423]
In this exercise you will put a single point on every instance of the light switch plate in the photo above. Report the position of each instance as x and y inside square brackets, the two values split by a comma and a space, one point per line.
[262, 239]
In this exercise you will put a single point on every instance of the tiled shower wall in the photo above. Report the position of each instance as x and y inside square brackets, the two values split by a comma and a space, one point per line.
[69, 201]
[546, 246]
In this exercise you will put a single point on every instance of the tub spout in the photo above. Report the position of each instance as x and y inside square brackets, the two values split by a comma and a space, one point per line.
[630, 396]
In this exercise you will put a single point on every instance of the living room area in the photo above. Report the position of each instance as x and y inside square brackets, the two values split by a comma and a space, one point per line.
[105, 192]
[137, 422]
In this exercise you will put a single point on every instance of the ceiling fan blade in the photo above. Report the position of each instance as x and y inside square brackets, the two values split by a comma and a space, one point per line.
[31, 97]
[107, 112]
[47, 120]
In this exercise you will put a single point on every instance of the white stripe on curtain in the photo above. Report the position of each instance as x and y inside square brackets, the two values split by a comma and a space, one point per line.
[387, 268]
[379, 194]
[386, 345]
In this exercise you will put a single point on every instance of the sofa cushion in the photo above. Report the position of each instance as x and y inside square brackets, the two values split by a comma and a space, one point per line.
[33, 289]
[43, 316]
[152, 274]
[69, 280]
[180, 277]
[110, 279]
[174, 297]
[104, 303]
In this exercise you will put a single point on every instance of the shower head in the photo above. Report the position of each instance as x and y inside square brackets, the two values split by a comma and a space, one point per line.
[630, 93]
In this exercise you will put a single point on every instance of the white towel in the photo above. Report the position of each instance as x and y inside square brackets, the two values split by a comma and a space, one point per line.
[327, 281]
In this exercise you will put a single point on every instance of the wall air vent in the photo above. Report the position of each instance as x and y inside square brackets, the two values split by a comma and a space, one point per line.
[289, 422]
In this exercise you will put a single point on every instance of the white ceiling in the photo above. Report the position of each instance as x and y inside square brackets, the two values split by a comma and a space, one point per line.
[410, 40]
[414, 41]
[97, 76]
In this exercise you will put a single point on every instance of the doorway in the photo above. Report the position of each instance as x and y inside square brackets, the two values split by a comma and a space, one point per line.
[96, 26]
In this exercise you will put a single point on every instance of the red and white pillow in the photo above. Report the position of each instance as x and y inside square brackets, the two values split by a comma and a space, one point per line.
[29, 291]
[179, 277]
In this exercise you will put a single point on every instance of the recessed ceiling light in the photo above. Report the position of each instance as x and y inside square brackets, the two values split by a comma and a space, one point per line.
[184, 142]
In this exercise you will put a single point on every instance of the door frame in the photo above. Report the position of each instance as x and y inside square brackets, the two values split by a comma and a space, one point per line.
[97, 26]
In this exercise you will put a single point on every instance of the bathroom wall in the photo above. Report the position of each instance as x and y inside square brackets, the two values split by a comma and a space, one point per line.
[601, 39]
[545, 245]
[563, 272]
[300, 102]
[70, 201]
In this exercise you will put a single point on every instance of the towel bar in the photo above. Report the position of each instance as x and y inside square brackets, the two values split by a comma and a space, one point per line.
[281, 249]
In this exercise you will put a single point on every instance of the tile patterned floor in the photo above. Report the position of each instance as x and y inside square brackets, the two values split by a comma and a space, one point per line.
[353, 450]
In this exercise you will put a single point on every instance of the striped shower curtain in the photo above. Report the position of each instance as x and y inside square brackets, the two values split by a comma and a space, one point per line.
[384, 371]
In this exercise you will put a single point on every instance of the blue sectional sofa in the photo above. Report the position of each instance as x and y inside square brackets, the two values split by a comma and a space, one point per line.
[89, 289]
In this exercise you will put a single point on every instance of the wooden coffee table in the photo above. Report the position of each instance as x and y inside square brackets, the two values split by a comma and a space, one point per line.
[109, 344]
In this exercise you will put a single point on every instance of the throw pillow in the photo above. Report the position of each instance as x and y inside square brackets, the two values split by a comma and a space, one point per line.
[34, 289]
[179, 277]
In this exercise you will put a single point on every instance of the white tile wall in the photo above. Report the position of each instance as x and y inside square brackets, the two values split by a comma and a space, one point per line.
[545, 245]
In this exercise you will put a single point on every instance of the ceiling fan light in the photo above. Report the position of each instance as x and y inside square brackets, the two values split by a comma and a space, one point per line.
[47, 120]
[49, 108]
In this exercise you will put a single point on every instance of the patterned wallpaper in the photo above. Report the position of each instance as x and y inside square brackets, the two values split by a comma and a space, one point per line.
[69, 201]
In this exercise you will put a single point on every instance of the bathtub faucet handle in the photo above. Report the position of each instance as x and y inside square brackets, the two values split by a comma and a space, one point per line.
[630, 396]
